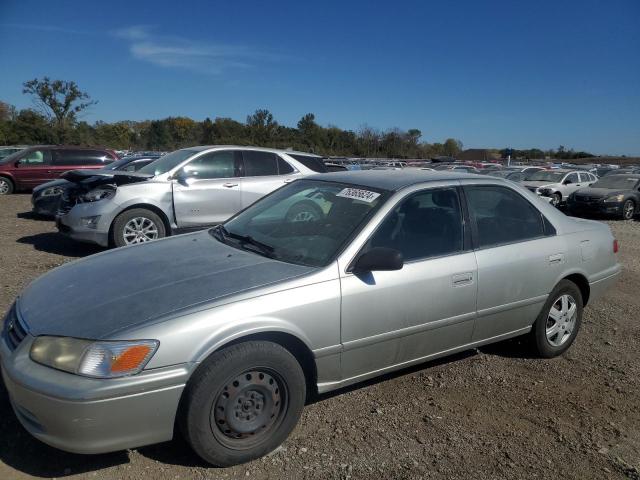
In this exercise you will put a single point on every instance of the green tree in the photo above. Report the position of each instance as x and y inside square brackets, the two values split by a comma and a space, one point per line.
[61, 100]
[262, 127]
[452, 147]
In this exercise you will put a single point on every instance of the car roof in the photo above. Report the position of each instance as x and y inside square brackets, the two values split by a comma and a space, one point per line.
[393, 180]
[201, 148]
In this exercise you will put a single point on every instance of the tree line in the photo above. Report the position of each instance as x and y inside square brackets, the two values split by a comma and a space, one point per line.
[58, 106]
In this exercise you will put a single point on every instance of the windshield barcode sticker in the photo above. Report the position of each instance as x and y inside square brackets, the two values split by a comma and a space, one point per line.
[357, 194]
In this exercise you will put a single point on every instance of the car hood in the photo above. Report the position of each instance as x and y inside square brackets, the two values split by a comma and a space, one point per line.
[94, 178]
[600, 192]
[112, 291]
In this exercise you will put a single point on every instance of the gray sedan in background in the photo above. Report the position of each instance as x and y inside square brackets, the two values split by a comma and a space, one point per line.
[185, 189]
[227, 332]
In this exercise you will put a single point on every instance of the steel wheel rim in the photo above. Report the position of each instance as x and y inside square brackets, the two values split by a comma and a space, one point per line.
[304, 216]
[628, 210]
[4, 186]
[555, 201]
[561, 320]
[248, 408]
[139, 230]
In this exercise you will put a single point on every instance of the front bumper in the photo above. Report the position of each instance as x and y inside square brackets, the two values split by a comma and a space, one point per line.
[595, 208]
[45, 206]
[70, 224]
[84, 415]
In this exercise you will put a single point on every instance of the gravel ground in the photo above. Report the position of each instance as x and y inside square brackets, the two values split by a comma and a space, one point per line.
[487, 414]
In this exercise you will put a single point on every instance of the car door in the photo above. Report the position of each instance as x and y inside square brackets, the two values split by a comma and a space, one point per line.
[570, 183]
[263, 172]
[33, 168]
[519, 258]
[207, 190]
[391, 318]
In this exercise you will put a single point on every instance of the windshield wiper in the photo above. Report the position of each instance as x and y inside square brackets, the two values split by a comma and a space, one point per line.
[244, 240]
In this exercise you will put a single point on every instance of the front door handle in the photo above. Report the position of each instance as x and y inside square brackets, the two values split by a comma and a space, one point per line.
[229, 185]
[288, 180]
[461, 279]
[556, 259]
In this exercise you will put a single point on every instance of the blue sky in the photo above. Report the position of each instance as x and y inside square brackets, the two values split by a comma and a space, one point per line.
[492, 73]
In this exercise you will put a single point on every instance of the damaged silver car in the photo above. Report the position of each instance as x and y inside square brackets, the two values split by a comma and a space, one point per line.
[186, 189]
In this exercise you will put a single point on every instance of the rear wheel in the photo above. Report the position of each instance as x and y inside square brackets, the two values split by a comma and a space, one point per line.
[557, 325]
[243, 402]
[628, 210]
[137, 225]
[6, 186]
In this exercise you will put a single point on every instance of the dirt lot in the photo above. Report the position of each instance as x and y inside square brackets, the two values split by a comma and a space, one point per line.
[486, 414]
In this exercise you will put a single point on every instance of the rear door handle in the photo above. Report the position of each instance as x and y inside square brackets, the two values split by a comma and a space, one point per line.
[288, 180]
[229, 185]
[460, 279]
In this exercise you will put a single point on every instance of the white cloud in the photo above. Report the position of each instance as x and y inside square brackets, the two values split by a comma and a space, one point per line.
[178, 52]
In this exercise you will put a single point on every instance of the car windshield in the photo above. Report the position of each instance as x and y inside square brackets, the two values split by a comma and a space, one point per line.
[307, 222]
[11, 158]
[618, 182]
[545, 176]
[167, 162]
[123, 162]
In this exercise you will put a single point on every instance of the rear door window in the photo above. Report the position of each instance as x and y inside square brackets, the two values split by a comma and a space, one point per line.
[259, 164]
[80, 158]
[501, 216]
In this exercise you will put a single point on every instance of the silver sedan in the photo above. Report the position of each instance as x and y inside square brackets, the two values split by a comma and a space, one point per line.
[229, 331]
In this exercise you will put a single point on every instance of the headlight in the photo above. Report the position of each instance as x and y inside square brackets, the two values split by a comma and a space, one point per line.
[615, 198]
[98, 359]
[98, 194]
[51, 192]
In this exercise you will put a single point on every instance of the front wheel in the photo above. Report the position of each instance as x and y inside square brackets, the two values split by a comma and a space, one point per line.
[242, 402]
[6, 186]
[628, 210]
[137, 225]
[557, 325]
[556, 199]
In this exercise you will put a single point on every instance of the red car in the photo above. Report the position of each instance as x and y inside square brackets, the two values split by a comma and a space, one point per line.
[32, 166]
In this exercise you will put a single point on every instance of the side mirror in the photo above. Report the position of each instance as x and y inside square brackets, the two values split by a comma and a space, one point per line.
[181, 177]
[379, 259]
[567, 182]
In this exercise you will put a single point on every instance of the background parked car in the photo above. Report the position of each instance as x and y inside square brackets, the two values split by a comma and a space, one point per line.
[45, 198]
[558, 184]
[33, 166]
[615, 195]
[186, 189]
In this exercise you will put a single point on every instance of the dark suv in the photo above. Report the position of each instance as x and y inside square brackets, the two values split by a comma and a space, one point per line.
[32, 166]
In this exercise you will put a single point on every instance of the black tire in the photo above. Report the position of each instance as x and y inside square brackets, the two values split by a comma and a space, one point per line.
[304, 211]
[210, 422]
[557, 199]
[628, 210]
[560, 343]
[117, 234]
[6, 186]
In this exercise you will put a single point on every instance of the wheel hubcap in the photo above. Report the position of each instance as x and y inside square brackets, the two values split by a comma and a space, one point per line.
[628, 210]
[561, 320]
[139, 230]
[4, 187]
[248, 408]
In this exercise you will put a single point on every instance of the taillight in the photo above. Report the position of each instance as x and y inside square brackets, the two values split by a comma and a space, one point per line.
[616, 247]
